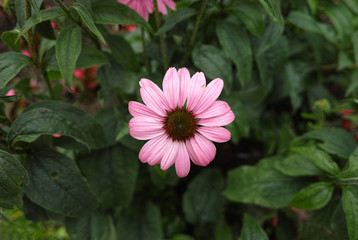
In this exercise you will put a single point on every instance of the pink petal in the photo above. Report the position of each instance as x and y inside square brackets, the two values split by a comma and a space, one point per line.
[170, 4]
[201, 150]
[184, 78]
[159, 150]
[144, 128]
[11, 92]
[216, 109]
[137, 109]
[151, 146]
[220, 120]
[196, 89]
[170, 155]
[216, 134]
[161, 7]
[171, 87]
[212, 92]
[153, 97]
[182, 162]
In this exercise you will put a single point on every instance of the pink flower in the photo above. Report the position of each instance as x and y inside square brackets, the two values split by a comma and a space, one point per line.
[11, 92]
[181, 121]
[56, 135]
[144, 7]
[26, 52]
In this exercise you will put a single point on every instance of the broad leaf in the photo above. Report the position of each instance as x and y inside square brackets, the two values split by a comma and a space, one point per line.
[11, 64]
[112, 12]
[252, 15]
[251, 230]
[351, 169]
[98, 226]
[68, 49]
[297, 165]
[9, 37]
[202, 201]
[12, 176]
[56, 184]
[120, 166]
[236, 44]
[214, 63]
[87, 19]
[91, 56]
[315, 196]
[262, 184]
[350, 207]
[175, 18]
[145, 224]
[321, 159]
[273, 9]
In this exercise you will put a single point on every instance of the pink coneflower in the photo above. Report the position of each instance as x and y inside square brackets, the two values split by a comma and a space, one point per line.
[181, 121]
[144, 7]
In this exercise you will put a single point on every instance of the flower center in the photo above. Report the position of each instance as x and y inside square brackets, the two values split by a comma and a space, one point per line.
[180, 124]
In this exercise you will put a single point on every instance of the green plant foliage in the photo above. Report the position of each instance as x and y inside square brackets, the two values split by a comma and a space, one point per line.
[252, 230]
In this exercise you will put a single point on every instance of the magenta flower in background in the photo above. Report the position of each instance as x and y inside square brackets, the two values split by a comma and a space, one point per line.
[181, 121]
[144, 7]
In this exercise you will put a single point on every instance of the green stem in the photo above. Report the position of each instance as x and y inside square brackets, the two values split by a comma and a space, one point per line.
[29, 36]
[161, 36]
[48, 84]
[145, 56]
[193, 34]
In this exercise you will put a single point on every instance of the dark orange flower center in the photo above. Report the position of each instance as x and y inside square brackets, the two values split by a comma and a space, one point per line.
[180, 124]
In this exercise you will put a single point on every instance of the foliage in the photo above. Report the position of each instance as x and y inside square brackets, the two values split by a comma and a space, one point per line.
[68, 162]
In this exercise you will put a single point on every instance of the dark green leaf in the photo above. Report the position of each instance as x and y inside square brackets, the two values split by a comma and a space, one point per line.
[56, 184]
[119, 165]
[293, 79]
[352, 4]
[202, 201]
[344, 60]
[262, 184]
[273, 9]
[335, 141]
[313, 197]
[252, 16]
[350, 207]
[112, 12]
[141, 225]
[96, 227]
[87, 19]
[355, 46]
[213, 63]
[68, 49]
[12, 176]
[91, 56]
[182, 237]
[9, 37]
[351, 170]
[44, 15]
[251, 230]
[11, 64]
[175, 18]
[321, 159]
[272, 35]
[236, 44]
[122, 51]
[297, 165]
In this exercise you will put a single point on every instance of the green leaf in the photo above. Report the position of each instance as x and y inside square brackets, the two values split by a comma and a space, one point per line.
[202, 201]
[252, 15]
[12, 176]
[44, 15]
[98, 226]
[176, 18]
[213, 63]
[236, 44]
[251, 230]
[262, 184]
[145, 224]
[344, 60]
[321, 159]
[87, 19]
[351, 169]
[313, 197]
[350, 207]
[352, 4]
[56, 184]
[53, 117]
[120, 166]
[68, 49]
[9, 37]
[182, 237]
[112, 12]
[11, 64]
[294, 81]
[273, 9]
[91, 56]
[335, 141]
[122, 52]
[297, 165]
[355, 46]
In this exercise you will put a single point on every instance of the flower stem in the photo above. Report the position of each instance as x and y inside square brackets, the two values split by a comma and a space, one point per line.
[145, 56]
[161, 36]
[193, 34]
